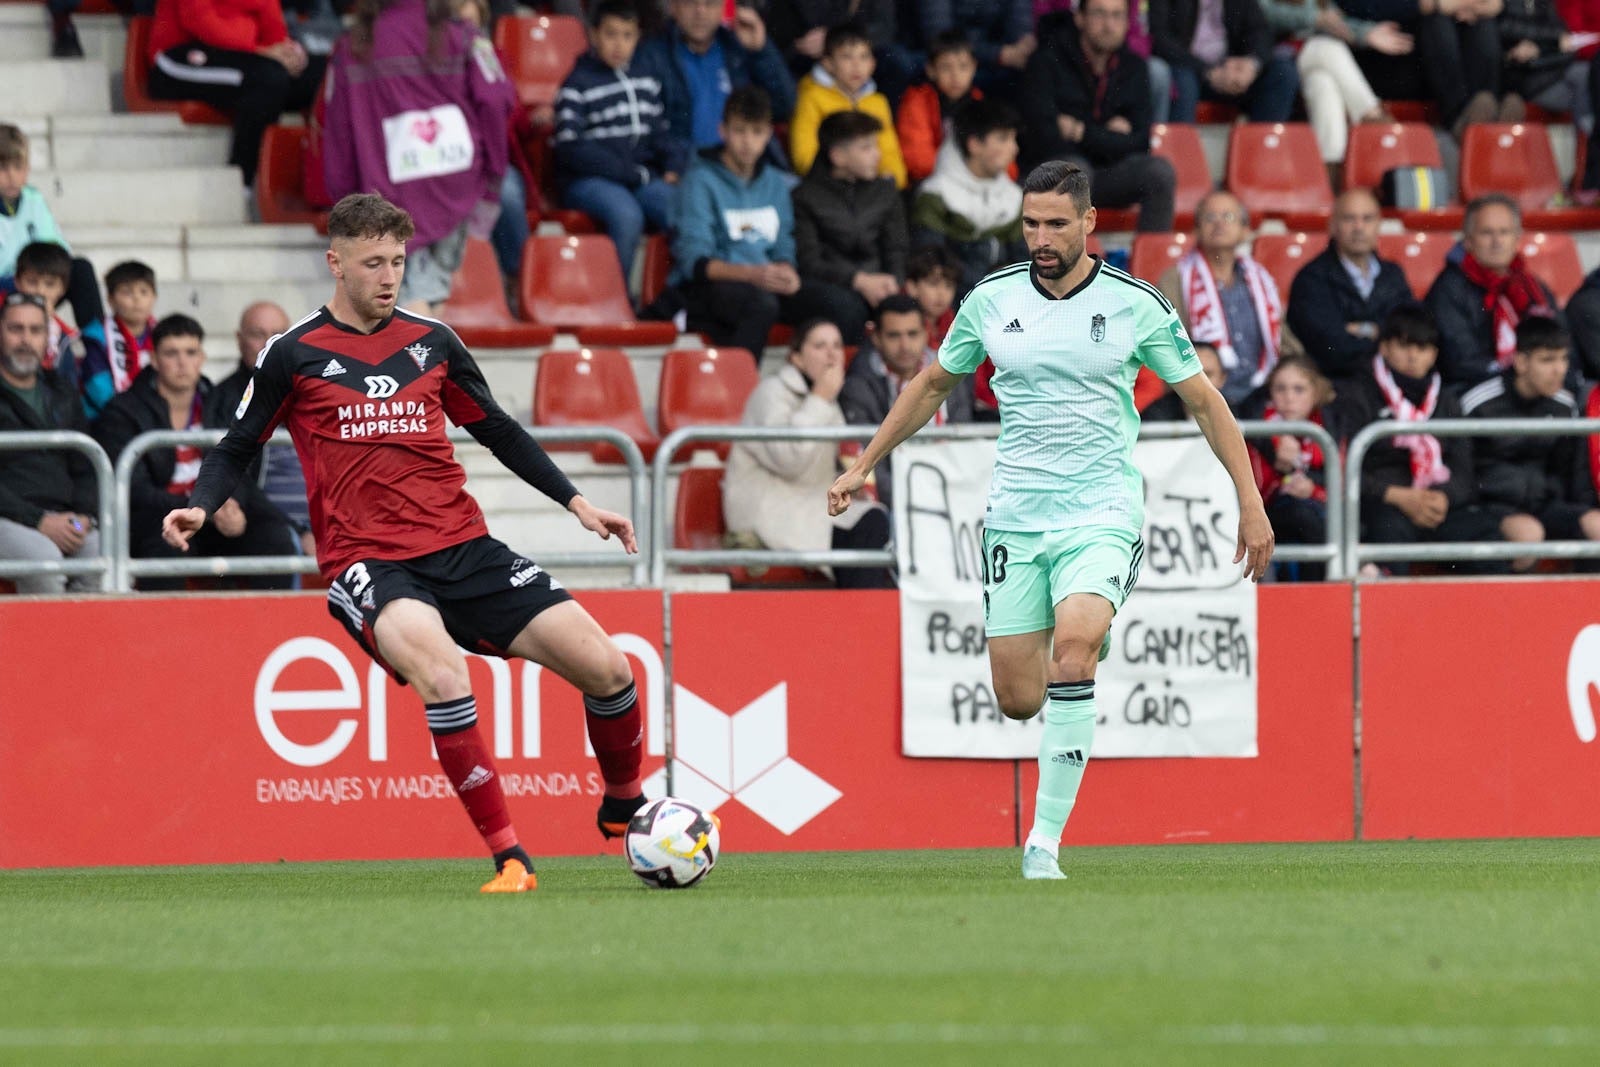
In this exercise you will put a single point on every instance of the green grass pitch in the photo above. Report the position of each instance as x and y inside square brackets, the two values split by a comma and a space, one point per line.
[1447, 953]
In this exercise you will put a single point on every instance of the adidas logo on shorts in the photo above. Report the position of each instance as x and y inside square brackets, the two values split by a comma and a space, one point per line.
[333, 369]
[1014, 326]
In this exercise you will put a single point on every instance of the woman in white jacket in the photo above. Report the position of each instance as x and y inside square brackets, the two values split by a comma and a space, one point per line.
[778, 490]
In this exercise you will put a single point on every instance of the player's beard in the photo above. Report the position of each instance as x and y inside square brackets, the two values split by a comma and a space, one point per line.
[1063, 266]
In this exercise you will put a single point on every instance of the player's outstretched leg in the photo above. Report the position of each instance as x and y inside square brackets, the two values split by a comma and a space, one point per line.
[1063, 752]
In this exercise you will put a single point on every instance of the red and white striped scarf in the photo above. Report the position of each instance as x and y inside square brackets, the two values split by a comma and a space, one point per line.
[125, 352]
[1427, 457]
[1311, 458]
[186, 462]
[1207, 321]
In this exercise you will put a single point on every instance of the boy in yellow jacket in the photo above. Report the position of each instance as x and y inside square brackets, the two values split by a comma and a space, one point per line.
[842, 81]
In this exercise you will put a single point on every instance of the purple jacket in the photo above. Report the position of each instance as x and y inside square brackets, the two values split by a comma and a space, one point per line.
[430, 134]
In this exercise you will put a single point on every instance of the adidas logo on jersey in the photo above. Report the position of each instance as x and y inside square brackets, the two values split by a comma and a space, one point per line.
[480, 775]
[1014, 326]
[333, 369]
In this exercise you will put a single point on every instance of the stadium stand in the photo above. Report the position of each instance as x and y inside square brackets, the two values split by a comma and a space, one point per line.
[704, 386]
[477, 309]
[1553, 259]
[1276, 171]
[1283, 254]
[538, 51]
[1180, 145]
[573, 283]
[697, 523]
[280, 185]
[1154, 253]
[1420, 254]
[136, 81]
[591, 387]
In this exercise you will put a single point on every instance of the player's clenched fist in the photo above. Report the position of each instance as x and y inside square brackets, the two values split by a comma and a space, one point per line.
[182, 524]
[843, 489]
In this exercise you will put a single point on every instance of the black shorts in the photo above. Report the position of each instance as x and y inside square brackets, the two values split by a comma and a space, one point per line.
[485, 592]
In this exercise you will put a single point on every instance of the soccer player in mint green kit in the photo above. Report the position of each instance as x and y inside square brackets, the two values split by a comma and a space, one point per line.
[1062, 545]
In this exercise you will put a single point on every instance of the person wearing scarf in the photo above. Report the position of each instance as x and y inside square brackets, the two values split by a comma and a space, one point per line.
[1484, 290]
[1226, 298]
[1291, 471]
[1415, 487]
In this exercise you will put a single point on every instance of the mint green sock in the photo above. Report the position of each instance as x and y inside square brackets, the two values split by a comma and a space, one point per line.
[1063, 753]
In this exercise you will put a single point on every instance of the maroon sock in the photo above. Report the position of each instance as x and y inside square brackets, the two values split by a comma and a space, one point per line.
[466, 762]
[615, 731]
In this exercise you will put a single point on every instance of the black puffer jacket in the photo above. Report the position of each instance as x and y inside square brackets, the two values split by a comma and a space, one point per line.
[1527, 472]
[842, 226]
[32, 483]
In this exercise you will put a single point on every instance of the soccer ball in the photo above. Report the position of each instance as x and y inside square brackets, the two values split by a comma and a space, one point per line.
[671, 844]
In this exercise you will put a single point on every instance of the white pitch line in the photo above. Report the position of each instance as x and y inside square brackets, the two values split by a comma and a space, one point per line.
[865, 1035]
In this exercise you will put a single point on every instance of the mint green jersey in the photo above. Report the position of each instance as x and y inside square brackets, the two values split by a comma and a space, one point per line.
[1064, 371]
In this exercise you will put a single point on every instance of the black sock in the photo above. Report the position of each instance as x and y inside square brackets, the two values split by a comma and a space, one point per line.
[515, 852]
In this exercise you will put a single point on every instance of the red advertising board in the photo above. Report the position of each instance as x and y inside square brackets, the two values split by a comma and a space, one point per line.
[1478, 709]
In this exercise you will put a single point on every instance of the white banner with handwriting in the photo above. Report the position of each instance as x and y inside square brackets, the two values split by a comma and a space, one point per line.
[1181, 679]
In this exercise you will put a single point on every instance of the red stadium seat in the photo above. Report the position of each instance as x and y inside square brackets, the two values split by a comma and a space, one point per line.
[1421, 255]
[591, 387]
[538, 52]
[1553, 259]
[1379, 147]
[1511, 158]
[705, 387]
[1276, 171]
[574, 283]
[1214, 113]
[656, 269]
[136, 81]
[280, 185]
[1283, 254]
[476, 308]
[697, 523]
[1180, 145]
[1154, 253]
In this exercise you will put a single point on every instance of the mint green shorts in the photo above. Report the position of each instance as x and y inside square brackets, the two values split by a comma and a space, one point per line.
[1025, 575]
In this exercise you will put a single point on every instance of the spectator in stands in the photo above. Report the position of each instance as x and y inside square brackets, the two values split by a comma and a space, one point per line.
[1541, 64]
[172, 394]
[1536, 485]
[1455, 60]
[1227, 298]
[1341, 295]
[1414, 487]
[49, 505]
[933, 274]
[895, 351]
[1291, 472]
[44, 270]
[1169, 406]
[971, 205]
[278, 473]
[1583, 17]
[119, 346]
[1000, 31]
[849, 224]
[1335, 91]
[800, 30]
[236, 55]
[1583, 318]
[616, 156]
[1086, 97]
[64, 43]
[734, 249]
[842, 81]
[926, 109]
[771, 488]
[703, 61]
[1483, 292]
[1222, 50]
[1049, 13]
[433, 140]
[25, 218]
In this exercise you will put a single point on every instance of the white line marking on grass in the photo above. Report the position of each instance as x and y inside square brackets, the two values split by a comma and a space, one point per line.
[866, 1034]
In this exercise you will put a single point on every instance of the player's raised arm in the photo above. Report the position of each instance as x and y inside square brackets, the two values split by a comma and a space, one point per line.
[1216, 421]
[911, 411]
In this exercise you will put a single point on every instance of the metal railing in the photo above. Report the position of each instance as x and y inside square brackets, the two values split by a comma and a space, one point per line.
[125, 568]
[1357, 553]
[663, 555]
[106, 562]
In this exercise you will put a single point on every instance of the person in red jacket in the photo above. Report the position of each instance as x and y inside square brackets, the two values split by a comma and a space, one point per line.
[235, 55]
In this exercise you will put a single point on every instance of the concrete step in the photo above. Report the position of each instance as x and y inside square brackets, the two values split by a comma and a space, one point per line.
[25, 35]
[217, 305]
[159, 246]
[58, 87]
[177, 196]
[37, 129]
[135, 142]
[244, 253]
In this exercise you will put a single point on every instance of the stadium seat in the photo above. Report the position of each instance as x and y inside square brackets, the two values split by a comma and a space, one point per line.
[574, 283]
[280, 186]
[1276, 171]
[697, 523]
[476, 308]
[705, 387]
[1283, 254]
[591, 387]
[1420, 254]
[1511, 158]
[1153, 253]
[1553, 259]
[1179, 144]
[1379, 147]
[538, 52]
[656, 268]
[136, 81]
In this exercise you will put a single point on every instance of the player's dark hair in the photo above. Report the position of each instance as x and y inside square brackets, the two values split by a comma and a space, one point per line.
[842, 127]
[47, 258]
[805, 330]
[895, 304]
[13, 145]
[839, 36]
[981, 117]
[748, 103]
[24, 300]
[625, 10]
[176, 325]
[948, 42]
[1541, 331]
[128, 272]
[1060, 176]
[1410, 324]
[932, 261]
[360, 216]
[1478, 203]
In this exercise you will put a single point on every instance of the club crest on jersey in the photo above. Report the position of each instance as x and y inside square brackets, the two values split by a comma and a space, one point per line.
[1097, 328]
[419, 352]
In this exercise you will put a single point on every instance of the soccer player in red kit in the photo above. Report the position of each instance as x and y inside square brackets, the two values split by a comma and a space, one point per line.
[364, 388]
